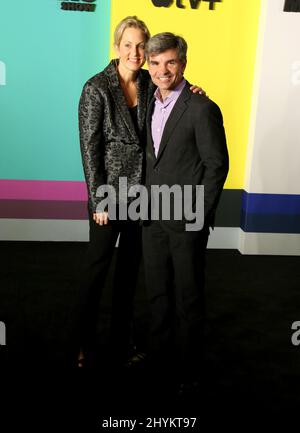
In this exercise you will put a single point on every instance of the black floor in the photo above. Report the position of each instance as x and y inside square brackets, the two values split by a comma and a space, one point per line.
[252, 373]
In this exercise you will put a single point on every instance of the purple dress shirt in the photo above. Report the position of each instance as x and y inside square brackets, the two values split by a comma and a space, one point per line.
[161, 113]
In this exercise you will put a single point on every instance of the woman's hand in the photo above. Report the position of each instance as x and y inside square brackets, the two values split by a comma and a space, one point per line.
[197, 89]
[101, 218]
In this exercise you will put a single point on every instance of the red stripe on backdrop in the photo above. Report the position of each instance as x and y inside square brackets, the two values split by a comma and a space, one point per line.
[42, 190]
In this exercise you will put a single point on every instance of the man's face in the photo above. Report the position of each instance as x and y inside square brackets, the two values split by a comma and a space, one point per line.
[166, 70]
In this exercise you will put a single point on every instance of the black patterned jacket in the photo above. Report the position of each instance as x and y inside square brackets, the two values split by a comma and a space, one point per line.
[110, 146]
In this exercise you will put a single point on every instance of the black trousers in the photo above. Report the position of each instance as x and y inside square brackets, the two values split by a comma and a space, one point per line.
[175, 273]
[96, 264]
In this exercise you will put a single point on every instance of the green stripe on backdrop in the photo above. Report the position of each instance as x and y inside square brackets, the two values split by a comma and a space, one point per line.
[48, 54]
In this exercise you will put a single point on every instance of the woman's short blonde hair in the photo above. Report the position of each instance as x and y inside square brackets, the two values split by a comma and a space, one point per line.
[131, 21]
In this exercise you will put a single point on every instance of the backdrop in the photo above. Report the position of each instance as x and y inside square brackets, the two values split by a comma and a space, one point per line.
[244, 54]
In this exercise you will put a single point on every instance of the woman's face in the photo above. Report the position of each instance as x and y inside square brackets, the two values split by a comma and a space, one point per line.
[131, 50]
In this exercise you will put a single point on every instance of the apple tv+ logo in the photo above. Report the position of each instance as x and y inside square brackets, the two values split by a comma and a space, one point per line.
[193, 3]
[160, 3]
[292, 6]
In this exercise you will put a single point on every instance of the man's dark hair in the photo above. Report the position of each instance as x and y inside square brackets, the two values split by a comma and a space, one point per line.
[166, 41]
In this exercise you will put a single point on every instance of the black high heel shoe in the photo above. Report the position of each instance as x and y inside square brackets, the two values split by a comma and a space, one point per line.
[137, 359]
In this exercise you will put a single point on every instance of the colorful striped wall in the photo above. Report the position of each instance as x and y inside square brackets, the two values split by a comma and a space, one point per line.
[246, 56]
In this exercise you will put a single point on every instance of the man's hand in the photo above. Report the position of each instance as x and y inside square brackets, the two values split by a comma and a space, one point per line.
[101, 218]
[197, 89]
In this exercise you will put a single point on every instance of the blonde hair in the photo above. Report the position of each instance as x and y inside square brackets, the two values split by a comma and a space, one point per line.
[130, 21]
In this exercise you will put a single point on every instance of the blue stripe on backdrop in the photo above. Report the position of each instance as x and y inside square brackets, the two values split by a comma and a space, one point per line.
[270, 213]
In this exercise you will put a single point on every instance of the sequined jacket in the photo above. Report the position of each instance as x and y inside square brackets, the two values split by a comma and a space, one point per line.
[110, 145]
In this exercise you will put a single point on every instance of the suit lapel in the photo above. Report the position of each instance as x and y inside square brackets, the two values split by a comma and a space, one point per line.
[119, 98]
[175, 115]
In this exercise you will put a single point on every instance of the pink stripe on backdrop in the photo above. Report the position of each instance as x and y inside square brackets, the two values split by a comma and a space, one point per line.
[42, 190]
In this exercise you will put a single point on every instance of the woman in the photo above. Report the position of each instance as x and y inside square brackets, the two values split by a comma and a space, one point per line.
[112, 113]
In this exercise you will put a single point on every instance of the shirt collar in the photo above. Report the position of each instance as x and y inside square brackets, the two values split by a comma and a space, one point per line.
[173, 95]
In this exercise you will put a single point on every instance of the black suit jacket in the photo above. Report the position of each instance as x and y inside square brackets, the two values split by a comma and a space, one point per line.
[192, 151]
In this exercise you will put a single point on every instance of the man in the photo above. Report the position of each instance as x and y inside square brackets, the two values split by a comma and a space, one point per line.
[186, 146]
